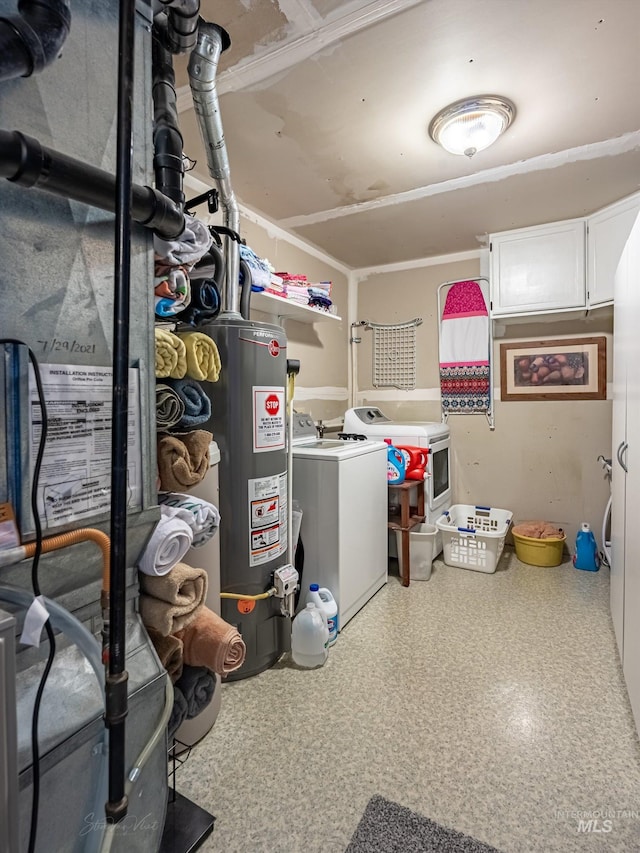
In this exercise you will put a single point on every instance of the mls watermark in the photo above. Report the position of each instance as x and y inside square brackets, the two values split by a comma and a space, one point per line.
[597, 821]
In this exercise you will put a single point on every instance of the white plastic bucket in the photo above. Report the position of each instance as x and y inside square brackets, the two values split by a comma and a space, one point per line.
[422, 551]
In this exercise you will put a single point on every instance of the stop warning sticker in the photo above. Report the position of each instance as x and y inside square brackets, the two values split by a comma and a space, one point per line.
[268, 419]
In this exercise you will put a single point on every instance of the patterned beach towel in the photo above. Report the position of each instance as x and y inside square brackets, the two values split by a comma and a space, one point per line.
[464, 351]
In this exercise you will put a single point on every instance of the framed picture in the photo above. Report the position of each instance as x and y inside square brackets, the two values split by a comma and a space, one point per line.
[573, 369]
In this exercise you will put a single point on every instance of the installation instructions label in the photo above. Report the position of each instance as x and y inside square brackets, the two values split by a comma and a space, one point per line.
[75, 478]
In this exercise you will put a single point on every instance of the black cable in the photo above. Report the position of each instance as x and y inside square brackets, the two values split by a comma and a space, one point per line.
[35, 583]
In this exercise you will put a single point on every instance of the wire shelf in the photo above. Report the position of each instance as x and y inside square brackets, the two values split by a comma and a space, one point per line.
[394, 354]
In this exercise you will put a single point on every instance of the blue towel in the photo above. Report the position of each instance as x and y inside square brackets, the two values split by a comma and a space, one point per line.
[197, 406]
[197, 684]
[205, 302]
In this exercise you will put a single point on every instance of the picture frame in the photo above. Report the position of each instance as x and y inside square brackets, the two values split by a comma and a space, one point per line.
[562, 369]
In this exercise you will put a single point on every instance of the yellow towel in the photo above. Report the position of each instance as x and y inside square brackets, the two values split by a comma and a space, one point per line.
[203, 358]
[171, 357]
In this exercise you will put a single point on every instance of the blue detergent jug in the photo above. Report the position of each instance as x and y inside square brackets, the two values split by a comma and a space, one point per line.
[396, 465]
[586, 555]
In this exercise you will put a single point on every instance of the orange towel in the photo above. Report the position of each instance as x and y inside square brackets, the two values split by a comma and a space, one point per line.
[170, 651]
[170, 602]
[210, 641]
[538, 530]
[183, 460]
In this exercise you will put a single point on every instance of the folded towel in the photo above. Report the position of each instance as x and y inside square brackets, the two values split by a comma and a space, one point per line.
[171, 602]
[183, 461]
[205, 302]
[210, 641]
[203, 359]
[538, 530]
[178, 714]
[203, 517]
[188, 248]
[171, 355]
[169, 407]
[197, 685]
[197, 405]
[172, 290]
[170, 651]
[169, 542]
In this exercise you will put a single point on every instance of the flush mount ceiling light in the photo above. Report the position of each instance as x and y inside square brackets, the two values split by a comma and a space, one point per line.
[472, 124]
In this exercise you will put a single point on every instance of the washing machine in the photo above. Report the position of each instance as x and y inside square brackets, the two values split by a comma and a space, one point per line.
[341, 487]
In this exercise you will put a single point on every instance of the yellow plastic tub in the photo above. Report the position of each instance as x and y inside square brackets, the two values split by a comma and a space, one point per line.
[538, 552]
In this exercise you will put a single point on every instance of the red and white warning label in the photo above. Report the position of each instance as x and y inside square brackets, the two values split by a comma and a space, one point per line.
[268, 419]
[267, 518]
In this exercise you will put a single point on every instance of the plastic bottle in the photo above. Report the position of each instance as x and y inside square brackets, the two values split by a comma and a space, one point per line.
[395, 464]
[586, 555]
[324, 600]
[310, 637]
[415, 460]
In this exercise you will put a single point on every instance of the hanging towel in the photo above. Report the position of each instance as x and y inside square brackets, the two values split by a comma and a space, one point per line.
[183, 461]
[210, 641]
[464, 350]
[203, 359]
[168, 544]
[178, 713]
[196, 404]
[203, 517]
[170, 651]
[171, 602]
[169, 407]
[197, 685]
[171, 355]
[188, 248]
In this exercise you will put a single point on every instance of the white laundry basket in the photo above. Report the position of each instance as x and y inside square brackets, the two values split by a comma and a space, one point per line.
[473, 536]
[422, 550]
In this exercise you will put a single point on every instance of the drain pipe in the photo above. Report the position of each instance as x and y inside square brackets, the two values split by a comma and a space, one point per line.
[33, 39]
[167, 139]
[116, 705]
[24, 161]
[203, 64]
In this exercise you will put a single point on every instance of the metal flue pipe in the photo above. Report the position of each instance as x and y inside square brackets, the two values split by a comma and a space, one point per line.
[182, 18]
[203, 64]
[33, 39]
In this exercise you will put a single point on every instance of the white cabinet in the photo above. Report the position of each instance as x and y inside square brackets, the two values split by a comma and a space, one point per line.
[625, 542]
[538, 270]
[607, 233]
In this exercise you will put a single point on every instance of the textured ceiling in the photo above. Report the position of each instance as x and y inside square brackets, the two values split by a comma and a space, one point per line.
[325, 108]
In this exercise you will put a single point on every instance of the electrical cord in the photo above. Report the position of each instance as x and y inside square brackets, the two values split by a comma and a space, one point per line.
[35, 584]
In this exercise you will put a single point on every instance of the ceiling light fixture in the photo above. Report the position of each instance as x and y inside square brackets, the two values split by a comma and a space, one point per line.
[472, 124]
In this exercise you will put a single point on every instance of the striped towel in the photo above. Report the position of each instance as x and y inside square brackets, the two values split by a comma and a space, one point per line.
[464, 350]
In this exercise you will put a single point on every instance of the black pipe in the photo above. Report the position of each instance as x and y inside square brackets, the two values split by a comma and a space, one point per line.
[167, 139]
[33, 39]
[182, 20]
[24, 161]
[117, 678]
[245, 294]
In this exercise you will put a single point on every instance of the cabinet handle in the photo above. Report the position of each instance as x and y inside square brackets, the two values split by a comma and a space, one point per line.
[622, 448]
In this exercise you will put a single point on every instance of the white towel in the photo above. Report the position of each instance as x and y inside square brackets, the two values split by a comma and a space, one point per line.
[188, 248]
[202, 517]
[169, 542]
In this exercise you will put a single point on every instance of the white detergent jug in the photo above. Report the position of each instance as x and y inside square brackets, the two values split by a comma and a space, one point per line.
[324, 600]
[309, 637]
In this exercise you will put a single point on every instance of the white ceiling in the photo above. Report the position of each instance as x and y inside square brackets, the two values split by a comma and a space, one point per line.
[325, 107]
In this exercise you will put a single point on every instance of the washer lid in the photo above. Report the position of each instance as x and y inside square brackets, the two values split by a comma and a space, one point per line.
[335, 449]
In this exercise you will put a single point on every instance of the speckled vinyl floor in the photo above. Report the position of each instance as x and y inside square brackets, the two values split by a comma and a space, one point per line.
[492, 704]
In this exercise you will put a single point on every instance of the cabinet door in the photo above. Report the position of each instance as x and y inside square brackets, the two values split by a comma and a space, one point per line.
[536, 270]
[631, 642]
[622, 349]
[607, 232]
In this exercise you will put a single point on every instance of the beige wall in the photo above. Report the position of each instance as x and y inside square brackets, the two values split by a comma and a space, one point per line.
[540, 461]
[321, 347]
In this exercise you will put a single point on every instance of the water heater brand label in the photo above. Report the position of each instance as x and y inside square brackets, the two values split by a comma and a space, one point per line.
[267, 518]
[274, 348]
[268, 419]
